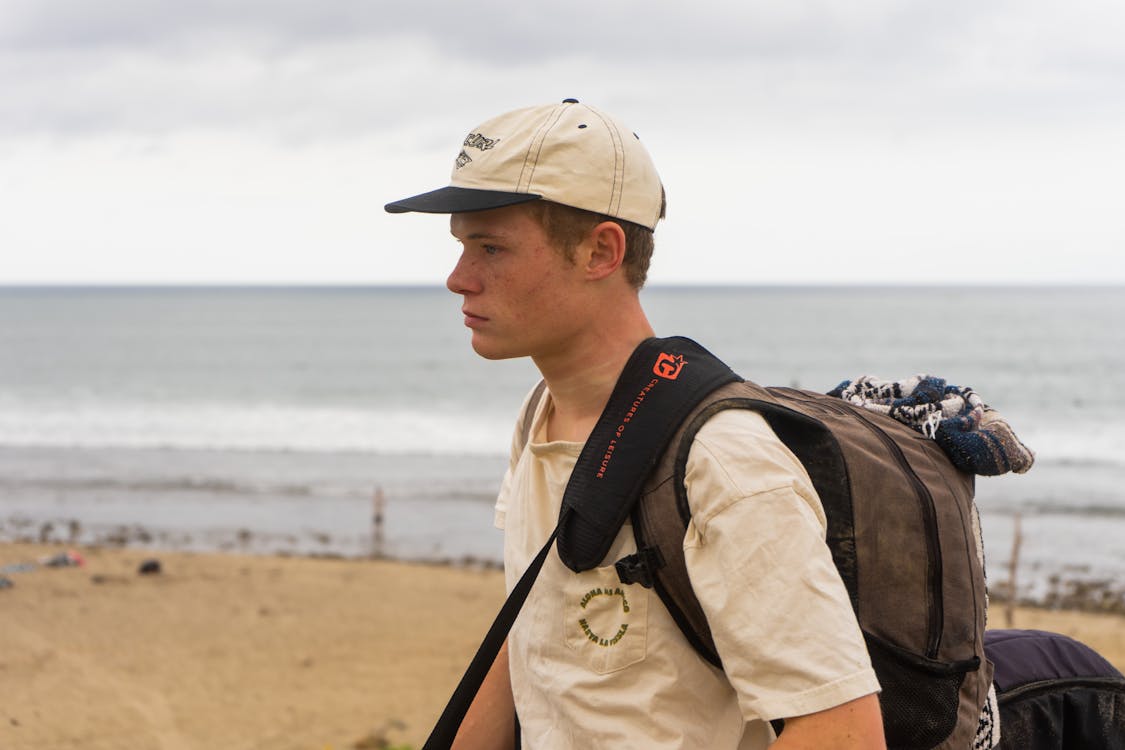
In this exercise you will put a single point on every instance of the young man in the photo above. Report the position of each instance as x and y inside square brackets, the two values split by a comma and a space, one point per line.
[554, 207]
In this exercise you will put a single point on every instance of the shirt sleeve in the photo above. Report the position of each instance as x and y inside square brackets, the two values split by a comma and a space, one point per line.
[755, 552]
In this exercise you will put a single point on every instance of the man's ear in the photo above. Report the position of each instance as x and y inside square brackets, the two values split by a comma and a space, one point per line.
[606, 250]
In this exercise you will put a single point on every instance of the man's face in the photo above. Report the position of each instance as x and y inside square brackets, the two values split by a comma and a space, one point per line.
[519, 291]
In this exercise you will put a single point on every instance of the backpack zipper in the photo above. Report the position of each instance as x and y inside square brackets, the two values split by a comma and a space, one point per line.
[929, 518]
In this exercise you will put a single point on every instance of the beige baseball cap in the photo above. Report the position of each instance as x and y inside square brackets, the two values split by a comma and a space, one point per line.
[568, 153]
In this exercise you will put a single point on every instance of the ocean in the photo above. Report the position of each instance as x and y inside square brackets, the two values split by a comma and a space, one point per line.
[267, 419]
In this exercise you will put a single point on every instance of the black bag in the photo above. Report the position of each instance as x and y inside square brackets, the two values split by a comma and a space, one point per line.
[1055, 693]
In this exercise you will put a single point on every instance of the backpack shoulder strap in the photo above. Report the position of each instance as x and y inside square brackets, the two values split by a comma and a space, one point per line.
[660, 385]
[655, 362]
[661, 518]
[529, 413]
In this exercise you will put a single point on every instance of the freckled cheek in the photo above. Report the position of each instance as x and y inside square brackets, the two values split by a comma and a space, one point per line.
[547, 299]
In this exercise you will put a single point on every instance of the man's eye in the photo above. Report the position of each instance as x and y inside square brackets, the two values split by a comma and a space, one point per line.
[490, 249]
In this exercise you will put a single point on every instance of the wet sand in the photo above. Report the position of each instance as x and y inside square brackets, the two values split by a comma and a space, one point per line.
[230, 651]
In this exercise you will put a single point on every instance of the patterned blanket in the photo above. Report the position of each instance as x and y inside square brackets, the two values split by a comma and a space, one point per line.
[975, 436]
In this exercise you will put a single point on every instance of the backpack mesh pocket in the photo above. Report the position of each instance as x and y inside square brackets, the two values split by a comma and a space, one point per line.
[920, 697]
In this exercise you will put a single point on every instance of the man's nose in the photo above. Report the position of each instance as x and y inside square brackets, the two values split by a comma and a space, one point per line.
[460, 278]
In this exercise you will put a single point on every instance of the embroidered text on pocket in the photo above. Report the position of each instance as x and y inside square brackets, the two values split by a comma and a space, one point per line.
[606, 620]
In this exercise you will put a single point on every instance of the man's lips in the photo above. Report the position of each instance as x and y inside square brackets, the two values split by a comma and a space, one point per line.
[472, 319]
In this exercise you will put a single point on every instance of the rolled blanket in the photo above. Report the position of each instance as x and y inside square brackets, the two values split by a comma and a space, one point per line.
[974, 436]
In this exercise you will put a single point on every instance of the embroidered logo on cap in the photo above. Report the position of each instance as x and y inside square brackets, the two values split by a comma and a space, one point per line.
[476, 140]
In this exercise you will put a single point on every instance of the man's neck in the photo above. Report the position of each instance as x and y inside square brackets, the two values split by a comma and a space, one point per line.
[582, 378]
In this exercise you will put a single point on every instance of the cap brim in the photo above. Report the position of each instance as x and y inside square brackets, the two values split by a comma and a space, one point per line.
[455, 200]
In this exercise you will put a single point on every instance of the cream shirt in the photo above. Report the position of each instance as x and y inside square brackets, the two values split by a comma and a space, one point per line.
[599, 664]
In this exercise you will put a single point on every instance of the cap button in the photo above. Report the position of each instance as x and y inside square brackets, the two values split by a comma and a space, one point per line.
[569, 101]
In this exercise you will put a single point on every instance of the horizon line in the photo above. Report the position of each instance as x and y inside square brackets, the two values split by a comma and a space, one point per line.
[279, 285]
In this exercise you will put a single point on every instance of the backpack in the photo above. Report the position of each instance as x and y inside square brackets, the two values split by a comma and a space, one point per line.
[902, 529]
[1055, 693]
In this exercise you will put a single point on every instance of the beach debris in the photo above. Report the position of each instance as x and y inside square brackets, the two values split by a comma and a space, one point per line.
[67, 559]
[149, 567]
[379, 508]
[19, 567]
[1013, 569]
[379, 740]
[6, 583]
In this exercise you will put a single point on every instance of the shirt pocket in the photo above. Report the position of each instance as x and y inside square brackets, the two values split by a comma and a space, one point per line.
[605, 621]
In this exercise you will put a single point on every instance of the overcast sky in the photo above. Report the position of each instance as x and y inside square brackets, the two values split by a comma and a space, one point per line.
[799, 141]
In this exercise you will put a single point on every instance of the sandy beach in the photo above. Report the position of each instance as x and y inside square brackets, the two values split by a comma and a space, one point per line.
[229, 651]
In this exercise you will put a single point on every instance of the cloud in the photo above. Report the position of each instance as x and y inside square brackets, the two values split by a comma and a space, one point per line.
[258, 140]
[302, 71]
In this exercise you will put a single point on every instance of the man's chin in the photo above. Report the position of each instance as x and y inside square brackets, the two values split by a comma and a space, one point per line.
[493, 351]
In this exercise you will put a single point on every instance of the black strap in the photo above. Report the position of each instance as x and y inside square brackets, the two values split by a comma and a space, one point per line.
[529, 413]
[444, 732]
[662, 382]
